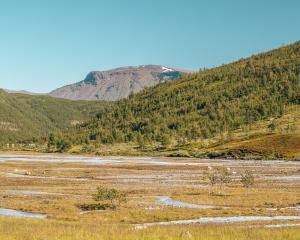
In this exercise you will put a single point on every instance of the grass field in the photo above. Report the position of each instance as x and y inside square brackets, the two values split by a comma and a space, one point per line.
[15, 229]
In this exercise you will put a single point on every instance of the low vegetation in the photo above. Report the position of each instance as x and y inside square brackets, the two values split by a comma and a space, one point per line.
[247, 179]
[112, 195]
[71, 206]
[15, 229]
[106, 198]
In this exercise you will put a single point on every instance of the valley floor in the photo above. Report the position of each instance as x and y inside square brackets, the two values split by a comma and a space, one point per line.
[168, 198]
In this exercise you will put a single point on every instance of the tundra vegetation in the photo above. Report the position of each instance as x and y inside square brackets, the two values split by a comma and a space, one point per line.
[107, 198]
[218, 177]
[70, 192]
[247, 179]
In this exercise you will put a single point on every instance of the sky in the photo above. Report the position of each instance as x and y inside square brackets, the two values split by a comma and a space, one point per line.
[47, 44]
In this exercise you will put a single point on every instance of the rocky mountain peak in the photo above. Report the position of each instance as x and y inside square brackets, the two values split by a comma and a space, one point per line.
[117, 83]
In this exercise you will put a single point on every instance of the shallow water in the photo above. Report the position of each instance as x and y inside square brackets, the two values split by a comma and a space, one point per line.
[162, 161]
[238, 219]
[95, 160]
[56, 159]
[288, 178]
[168, 201]
[42, 177]
[295, 208]
[282, 225]
[165, 200]
[16, 213]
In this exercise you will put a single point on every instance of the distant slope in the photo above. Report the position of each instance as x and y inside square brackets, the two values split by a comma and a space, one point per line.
[28, 118]
[21, 92]
[201, 105]
[117, 83]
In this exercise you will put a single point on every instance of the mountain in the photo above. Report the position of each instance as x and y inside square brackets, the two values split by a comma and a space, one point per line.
[27, 118]
[21, 92]
[117, 83]
[205, 105]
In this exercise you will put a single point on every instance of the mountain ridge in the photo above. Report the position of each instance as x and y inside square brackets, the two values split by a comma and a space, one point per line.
[22, 92]
[117, 83]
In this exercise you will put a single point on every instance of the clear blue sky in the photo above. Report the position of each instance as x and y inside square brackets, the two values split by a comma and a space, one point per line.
[45, 44]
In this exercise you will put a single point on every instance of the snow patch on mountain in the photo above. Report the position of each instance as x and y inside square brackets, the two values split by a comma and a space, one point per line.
[165, 69]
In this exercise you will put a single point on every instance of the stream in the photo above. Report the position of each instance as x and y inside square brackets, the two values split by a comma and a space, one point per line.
[203, 220]
[165, 200]
[17, 213]
[42, 177]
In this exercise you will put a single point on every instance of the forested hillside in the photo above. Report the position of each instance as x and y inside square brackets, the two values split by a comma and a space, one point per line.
[201, 105]
[25, 118]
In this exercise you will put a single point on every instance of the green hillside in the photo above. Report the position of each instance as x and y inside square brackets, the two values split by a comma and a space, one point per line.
[201, 106]
[25, 118]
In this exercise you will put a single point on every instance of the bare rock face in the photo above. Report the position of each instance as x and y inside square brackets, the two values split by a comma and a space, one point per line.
[117, 83]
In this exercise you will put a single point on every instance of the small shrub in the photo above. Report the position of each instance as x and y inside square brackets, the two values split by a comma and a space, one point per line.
[247, 179]
[213, 180]
[220, 178]
[112, 195]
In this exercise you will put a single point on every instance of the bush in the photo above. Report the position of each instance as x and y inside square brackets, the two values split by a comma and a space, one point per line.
[220, 178]
[247, 179]
[112, 195]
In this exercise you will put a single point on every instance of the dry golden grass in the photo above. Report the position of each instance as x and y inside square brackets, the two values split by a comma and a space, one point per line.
[16, 229]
